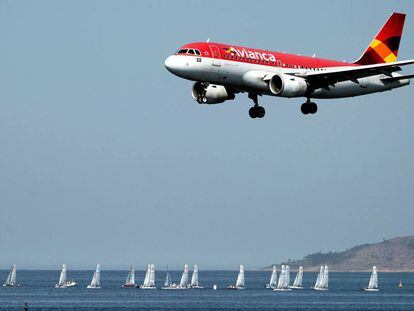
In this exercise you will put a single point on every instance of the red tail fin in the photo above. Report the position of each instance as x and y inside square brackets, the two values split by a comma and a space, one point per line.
[384, 47]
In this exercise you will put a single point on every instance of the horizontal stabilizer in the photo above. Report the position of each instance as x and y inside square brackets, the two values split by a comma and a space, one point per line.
[397, 78]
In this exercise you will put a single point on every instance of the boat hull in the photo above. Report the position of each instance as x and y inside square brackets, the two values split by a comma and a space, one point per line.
[296, 287]
[66, 285]
[370, 289]
[93, 287]
[281, 289]
[11, 285]
[235, 287]
[129, 286]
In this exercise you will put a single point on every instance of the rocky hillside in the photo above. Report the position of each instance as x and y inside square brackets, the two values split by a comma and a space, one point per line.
[390, 255]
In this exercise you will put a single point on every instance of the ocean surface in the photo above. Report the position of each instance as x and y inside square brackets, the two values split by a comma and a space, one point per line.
[37, 289]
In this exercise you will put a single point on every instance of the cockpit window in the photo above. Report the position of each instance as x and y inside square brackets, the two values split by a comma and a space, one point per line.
[189, 51]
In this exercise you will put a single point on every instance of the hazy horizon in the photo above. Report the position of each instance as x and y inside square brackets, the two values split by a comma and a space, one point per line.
[106, 158]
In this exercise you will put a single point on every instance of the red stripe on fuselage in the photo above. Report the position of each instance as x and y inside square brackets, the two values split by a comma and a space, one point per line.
[262, 57]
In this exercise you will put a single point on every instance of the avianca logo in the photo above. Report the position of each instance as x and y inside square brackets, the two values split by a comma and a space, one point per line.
[250, 54]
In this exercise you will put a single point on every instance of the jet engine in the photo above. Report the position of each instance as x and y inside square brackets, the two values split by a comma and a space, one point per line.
[287, 86]
[205, 93]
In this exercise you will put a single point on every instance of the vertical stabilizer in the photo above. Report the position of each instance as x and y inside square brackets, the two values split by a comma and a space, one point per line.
[384, 47]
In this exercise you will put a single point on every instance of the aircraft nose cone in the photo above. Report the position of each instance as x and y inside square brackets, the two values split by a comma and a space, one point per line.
[170, 63]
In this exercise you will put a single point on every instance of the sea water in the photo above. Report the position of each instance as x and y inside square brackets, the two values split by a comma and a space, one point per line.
[37, 289]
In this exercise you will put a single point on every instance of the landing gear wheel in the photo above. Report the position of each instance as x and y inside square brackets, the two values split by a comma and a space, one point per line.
[304, 108]
[204, 100]
[252, 113]
[309, 107]
[260, 112]
[257, 112]
[313, 108]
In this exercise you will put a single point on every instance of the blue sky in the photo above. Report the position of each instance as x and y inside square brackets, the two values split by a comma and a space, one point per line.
[105, 157]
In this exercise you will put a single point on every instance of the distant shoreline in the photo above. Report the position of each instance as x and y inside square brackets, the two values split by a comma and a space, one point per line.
[393, 255]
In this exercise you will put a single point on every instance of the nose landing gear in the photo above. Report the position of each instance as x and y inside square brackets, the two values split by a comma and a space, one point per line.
[200, 93]
[309, 107]
[256, 111]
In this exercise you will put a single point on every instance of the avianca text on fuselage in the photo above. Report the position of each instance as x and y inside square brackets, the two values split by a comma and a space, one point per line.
[221, 70]
[249, 54]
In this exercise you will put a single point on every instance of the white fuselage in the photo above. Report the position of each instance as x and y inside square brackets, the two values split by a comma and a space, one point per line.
[235, 74]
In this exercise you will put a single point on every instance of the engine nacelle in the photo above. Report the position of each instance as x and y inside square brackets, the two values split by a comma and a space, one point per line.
[211, 94]
[287, 86]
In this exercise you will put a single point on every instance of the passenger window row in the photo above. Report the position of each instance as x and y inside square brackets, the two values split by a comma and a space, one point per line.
[278, 63]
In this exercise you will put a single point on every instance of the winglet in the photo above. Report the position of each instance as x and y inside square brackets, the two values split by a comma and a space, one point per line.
[384, 47]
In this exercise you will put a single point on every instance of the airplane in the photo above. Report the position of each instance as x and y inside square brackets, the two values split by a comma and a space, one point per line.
[222, 70]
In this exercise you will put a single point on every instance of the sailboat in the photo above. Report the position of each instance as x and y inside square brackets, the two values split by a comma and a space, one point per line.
[184, 284]
[273, 279]
[63, 283]
[323, 279]
[239, 281]
[11, 278]
[373, 281]
[149, 281]
[400, 285]
[130, 280]
[168, 282]
[297, 283]
[194, 278]
[284, 279]
[96, 279]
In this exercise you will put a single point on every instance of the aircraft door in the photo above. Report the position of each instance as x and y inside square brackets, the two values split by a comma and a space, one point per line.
[215, 53]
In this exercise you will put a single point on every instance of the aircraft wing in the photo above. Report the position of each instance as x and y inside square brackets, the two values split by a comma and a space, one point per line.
[318, 79]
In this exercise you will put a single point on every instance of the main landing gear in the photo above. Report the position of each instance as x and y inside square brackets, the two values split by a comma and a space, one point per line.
[256, 111]
[309, 107]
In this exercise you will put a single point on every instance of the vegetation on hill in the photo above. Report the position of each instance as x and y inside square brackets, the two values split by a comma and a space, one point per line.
[389, 255]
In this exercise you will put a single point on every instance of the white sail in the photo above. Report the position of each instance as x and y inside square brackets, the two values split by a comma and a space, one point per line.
[194, 278]
[184, 277]
[281, 276]
[147, 277]
[325, 278]
[273, 277]
[130, 280]
[62, 278]
[298, 278]
[152, 276]
[373, 280]
[168, 282]
[287, 278]
[149, 281]
[240, 277]
[282, 282]
[96, 279]
[319, 279]
[11, 278]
